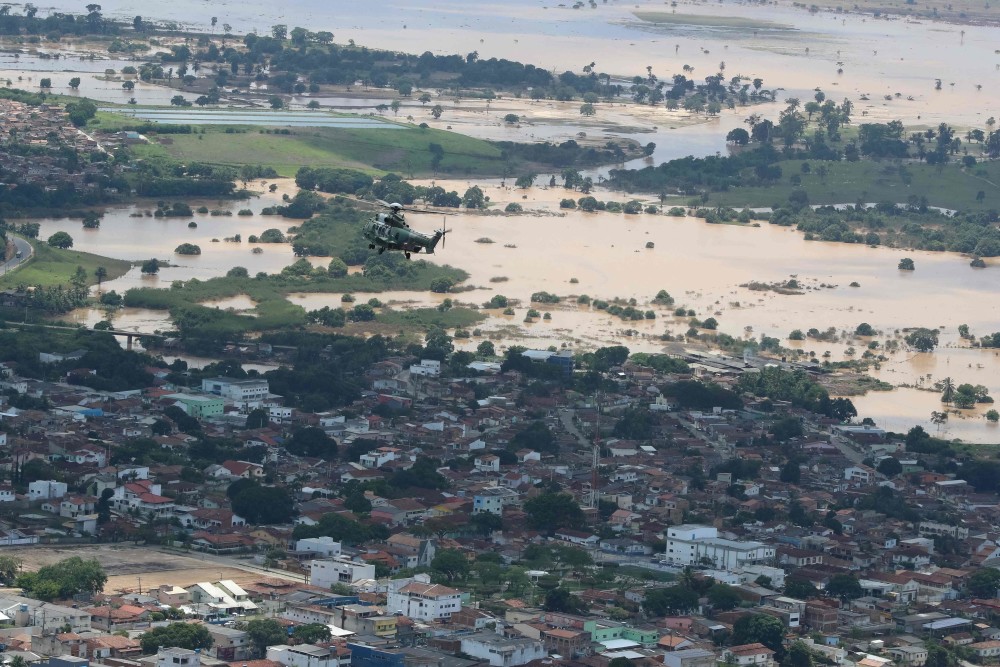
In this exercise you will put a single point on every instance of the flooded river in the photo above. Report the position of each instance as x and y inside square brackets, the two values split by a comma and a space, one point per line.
[605, 256]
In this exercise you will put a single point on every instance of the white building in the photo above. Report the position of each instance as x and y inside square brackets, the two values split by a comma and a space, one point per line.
[224, 596]
[493, 500]
[303, 655]
[379, 457]
[424, 601]
[430, 367]
[238, 391]
[177, 657]
[45, 489]
[324, 546]
[701, 545]
[502, 651]
[340, 570]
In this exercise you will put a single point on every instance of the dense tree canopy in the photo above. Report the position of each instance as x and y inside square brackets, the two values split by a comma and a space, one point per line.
[64, 579]
[182, 635]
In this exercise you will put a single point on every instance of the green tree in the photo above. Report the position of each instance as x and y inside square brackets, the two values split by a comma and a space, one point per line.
[264, 505]
[474, 198]
[906, 264]
[800, 588]
[312, 441]
[673, 600]
[552, 511]
[100, 274]
[74, 83]
[258, 418]
[10, 566]
[844, 586]
[723, 597]
[762, 628]
[181, 635]
[64, 579]
[311, 633]
[890, 466]
[984, 583]
[263, 633]
[923, 340]
[61, 240]
[451, 563]
[150, 267]
[561, 600]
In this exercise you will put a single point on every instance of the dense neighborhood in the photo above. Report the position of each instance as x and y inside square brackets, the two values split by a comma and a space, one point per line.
[693, 517]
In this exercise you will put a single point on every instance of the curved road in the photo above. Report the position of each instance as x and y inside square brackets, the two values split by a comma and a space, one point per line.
[22, 247]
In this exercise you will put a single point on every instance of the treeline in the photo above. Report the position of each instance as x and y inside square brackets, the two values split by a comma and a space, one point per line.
[115, 369]
[798, 388]
[912, 226]
[690, 175]
[55, 24]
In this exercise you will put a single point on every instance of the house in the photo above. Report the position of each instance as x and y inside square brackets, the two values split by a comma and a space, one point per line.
[587, 540]
[338, 570]
[73, 506]
[689, 657]
[244, 469]
[493, 500]
[567, 642]
[749, 654]
[173, 656]
[46, 489]
[911, 656]
[228, 644]
[860, 474]
[487, 463]
[425, 601]
[304, 655]
[988, 650]
[500, 651]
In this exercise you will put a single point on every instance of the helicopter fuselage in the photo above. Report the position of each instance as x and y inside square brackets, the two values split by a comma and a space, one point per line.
[387, 232]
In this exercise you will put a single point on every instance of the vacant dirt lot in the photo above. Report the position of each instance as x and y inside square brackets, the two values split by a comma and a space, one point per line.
[127, 564]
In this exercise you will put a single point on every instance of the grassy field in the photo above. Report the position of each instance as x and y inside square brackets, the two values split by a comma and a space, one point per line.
[848, 182]
[403, 150]
[53, 266]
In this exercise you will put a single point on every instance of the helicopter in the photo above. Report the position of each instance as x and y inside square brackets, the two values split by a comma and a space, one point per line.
[389, 231]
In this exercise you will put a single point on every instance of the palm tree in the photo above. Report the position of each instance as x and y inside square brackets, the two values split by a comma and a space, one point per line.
[947, 390]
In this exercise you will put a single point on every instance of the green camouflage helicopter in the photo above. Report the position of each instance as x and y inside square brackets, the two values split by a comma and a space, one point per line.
[389, 231]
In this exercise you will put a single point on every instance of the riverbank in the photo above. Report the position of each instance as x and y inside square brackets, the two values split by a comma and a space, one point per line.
[53, 267]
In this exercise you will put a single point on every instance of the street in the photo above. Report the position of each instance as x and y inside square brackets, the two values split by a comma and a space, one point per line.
[22, 247]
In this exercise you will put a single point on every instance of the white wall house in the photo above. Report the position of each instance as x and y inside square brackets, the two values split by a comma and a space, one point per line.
[303, 655]
[693, 545]
[324, 546]
[326, 573]
[45, 489]
[427, 602]
[177, 657]
[502, 651]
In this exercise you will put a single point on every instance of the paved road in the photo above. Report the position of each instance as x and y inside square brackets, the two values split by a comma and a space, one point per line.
[13, 263]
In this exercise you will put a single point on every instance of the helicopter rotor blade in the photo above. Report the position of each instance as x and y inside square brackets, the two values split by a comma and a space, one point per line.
[383, 203]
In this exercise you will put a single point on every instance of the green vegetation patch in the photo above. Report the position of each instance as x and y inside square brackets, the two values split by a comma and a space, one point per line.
[426, 318]
[273, 310]
[51, 267]
[404, 149]
[949, 186]
[667, 18]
